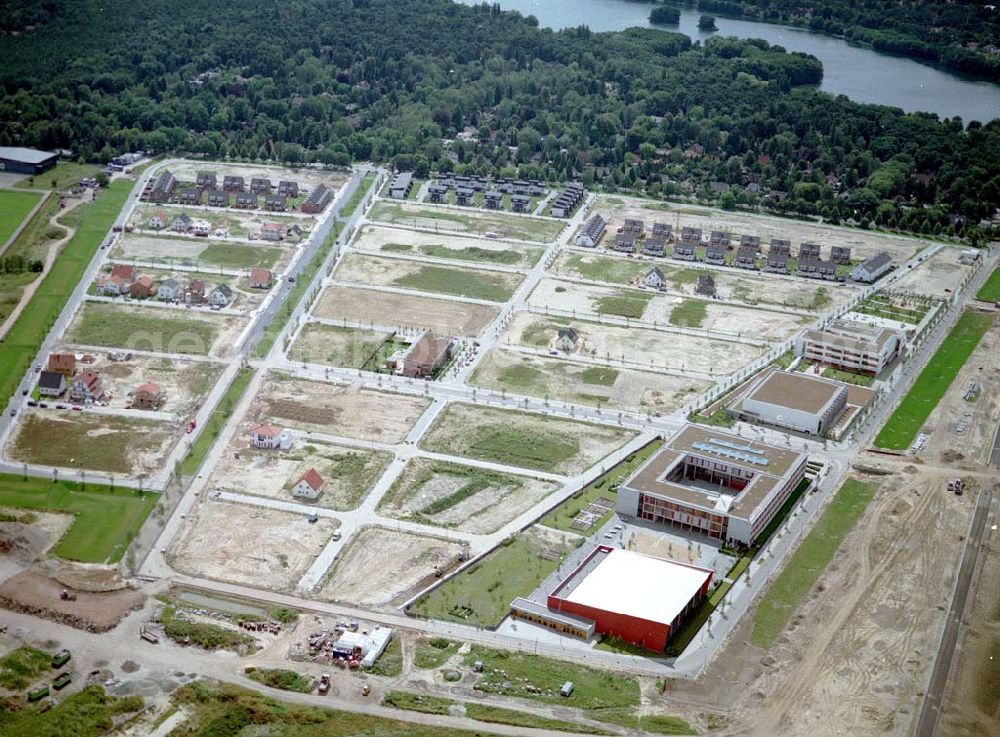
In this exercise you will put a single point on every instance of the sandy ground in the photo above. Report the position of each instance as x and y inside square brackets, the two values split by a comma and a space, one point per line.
[459, 426]
[863, 244]
[184, 383]
[381, 566]
[385, 272]
[971, 707]
[36, 594]
[374, 237]
[485, 511]
[188, 171]
[520, 373]
[346, 411]
[856, 655]
[180, 250]
[970, 448]
[938, 276]
[29, 539]
[732, 285]
[271, 474]
[642, 347]
[445, 317]
[92, 441]
[249, 545]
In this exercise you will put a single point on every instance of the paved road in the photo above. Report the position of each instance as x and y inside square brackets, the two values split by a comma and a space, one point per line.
[931, 709]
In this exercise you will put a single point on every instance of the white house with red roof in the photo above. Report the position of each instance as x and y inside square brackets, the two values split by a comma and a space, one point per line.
[309, 485]
[269, 437]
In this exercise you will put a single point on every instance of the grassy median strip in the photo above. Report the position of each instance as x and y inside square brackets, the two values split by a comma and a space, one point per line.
[196, 456]
[352, 204]
[809, 561]
[106, 519]
[911, 414]
[990, 291]
[14, 207]
[26, 334]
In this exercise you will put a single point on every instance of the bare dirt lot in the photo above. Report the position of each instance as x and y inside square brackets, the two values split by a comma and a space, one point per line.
[333, 345]
[349, 473]
[404, 241]
[370, 307]
[184, 383]
[637, 346]
[381, 567]
[28, 539]
[863, 243]
[93, 441]
[32, 593]
[462, 497]
[856, 656]
[464, 220]
[537, 376]
[347, 411]
[938, 276]
[522, 438]
[249, 545]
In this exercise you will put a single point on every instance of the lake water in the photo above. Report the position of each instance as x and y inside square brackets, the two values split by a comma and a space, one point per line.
[860, 73]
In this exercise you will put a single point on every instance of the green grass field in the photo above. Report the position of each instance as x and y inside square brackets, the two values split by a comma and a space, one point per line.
[433, 653]
[22, 341]
[66, 174]
[990, 291]
[196, 456]
[281, 678]
[352, 204]
[809, 561]
[21, 667]
[492, 286]
[482, 594]
[236, 256]
[14, 207]
[690, 313]
[104, 324]
[105, 521]
[86, 713]
[11, 288]
[624, 304]
[904, 424]
[602, 268]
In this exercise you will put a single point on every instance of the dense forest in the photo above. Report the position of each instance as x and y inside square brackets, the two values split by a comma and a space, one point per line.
[963, 35]
[429, 84]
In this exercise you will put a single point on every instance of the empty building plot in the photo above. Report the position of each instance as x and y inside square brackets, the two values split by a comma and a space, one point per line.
[87, 440]
[481, 223]
[382, 567]
[462, 497]
[199, 252]
[346, 474]
[494, 286]
[637, 347]
[249, 545]
[369, 307]
[584, 383]
[452, 246]
[939, 276]
[345, 411]
[157, 329]
[713, 483]
[333, 345]
[522, 439]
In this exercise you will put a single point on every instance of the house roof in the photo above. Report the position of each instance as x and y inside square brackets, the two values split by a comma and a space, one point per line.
[90, 378]
[312, 478]
[655, 271]
[877, 261]
[223, 289]
[276, 227]
[268, 431]
[568, 333]
[122, 271]
[62, 360]
[149, 388]
[50, 380]
[258, 275]
[795, 390]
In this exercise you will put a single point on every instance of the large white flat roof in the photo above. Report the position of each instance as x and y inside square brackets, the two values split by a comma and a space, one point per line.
[639, 585]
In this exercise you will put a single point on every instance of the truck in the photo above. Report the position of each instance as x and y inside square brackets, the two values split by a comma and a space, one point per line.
[38, 694]
[149, 637]
[62, 680]
[61, 658]
[324, 684]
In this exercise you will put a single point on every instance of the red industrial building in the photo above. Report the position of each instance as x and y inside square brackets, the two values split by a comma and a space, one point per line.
[634, 597]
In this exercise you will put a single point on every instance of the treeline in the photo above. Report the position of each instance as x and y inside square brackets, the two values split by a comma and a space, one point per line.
[397, 81]
[955, 34]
